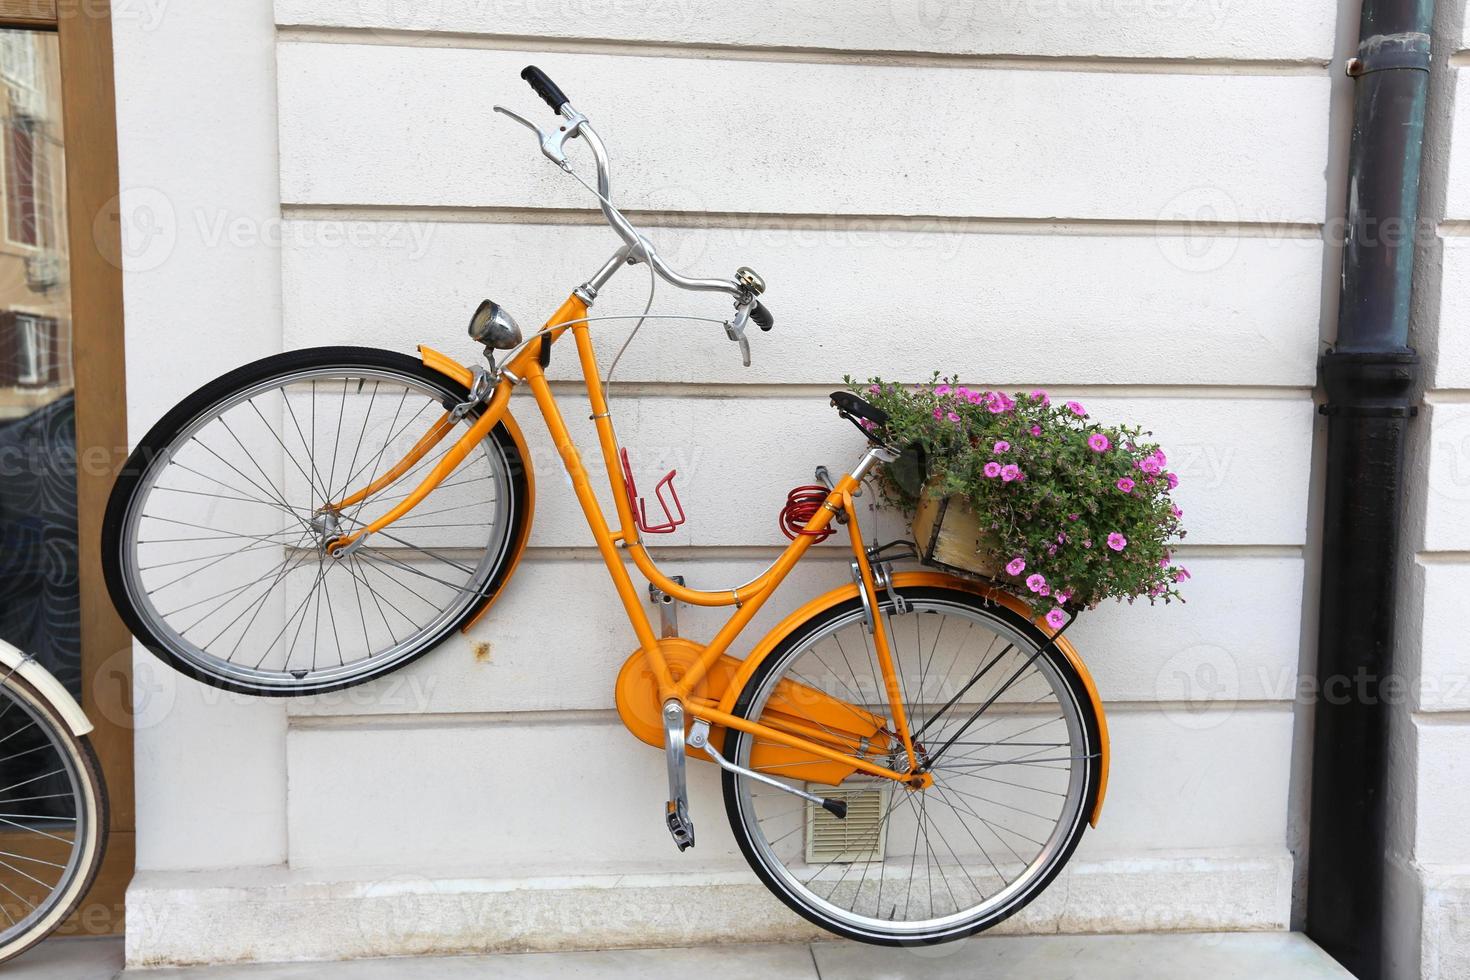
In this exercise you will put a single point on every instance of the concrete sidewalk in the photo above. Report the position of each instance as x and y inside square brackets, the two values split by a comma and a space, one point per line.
[1207, 956]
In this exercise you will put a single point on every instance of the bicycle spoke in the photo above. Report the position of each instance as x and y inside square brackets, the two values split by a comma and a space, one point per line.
[249, 597]
[942, 853]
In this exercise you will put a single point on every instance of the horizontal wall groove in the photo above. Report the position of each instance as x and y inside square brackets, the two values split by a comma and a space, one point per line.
[312, 34]
[669, 554]
[609, 717]
[1442, 557]
[748, 220]
[1458, 716]
[1447, 396]
[1454, 228]
[703, 389]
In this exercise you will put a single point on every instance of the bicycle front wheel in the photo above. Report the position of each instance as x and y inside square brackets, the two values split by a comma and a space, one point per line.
[53, 818]
[215, 539]
[1003, 725]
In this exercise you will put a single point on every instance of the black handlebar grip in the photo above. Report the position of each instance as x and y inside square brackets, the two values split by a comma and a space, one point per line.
[762, 316]
[544, 87]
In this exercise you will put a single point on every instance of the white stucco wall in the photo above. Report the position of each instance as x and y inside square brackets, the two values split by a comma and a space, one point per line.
[1117, 201]
[1429, 857]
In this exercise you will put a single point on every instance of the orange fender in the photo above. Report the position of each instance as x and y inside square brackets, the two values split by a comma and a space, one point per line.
[998, 596]
[451, 368]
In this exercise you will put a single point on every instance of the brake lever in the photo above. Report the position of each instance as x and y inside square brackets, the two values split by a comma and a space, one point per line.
[735, 330]
[552, 142]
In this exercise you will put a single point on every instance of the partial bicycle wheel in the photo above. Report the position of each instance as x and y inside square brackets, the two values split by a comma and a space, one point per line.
[214, 546]
[1004, 726]
[53, 818]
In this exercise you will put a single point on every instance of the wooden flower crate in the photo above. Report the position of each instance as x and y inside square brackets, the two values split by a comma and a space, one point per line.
[949, 536]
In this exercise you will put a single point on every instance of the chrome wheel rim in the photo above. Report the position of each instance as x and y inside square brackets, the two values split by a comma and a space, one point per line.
[36, 813]
[938, 893]
[211, 460]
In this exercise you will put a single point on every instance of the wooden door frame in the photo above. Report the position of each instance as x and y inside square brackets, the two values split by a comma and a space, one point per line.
[89, 131]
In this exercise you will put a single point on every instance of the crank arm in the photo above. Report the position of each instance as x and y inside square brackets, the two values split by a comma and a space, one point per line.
[699, 739]
[676, 813]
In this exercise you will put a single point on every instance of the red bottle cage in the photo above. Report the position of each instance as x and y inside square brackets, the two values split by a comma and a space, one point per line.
[640, 506]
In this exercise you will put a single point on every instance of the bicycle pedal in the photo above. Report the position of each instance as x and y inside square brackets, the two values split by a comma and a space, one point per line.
[681, 828]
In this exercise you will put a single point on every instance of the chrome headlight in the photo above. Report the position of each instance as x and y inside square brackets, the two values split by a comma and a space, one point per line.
[494, 327]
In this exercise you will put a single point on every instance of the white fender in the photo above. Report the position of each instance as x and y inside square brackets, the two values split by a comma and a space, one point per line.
[50, 689]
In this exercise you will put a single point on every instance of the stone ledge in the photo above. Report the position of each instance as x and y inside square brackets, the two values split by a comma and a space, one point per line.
[281, 914]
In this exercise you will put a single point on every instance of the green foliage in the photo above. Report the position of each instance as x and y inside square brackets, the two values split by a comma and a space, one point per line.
[1083, 506]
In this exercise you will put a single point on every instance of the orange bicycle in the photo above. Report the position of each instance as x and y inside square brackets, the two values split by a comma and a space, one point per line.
[908, 758]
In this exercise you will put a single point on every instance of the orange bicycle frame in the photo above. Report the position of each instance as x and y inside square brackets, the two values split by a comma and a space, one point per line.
[526, 368]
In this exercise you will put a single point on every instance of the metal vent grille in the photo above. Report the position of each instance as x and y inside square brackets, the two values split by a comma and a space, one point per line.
[860, 837]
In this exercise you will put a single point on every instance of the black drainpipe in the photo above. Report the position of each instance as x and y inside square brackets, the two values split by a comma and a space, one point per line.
[1369, 377]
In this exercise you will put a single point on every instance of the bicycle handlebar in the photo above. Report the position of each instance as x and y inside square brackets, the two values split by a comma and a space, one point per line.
[552, 143]
[543, 86]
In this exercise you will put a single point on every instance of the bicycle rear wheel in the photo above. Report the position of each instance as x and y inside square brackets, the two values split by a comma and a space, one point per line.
[53, 818]
[214, 542]
[1006, 730]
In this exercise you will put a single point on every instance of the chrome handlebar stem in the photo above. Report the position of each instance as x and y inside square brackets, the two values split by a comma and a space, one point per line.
[642, 247]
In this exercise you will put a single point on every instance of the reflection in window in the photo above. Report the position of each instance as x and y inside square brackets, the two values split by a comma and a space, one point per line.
[39, 603]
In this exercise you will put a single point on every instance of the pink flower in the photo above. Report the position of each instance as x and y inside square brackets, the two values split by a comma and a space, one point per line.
[1002, 446]
[998, 403]
[1016, 566]
[1051, 550]
[975, 398]
[992, 469]
[1150, 466]
[1159, 455]
[1087, 542]
[874, 389]
[962, 392]
[1041, 396]
[1073, 517]
[1036, 430]
[1117, 542]
[1125, 484]
[1178, 512]
[1064, 596]
[943, 390]
[1010, 472]
[1056, 617]
[1173, 480]
[1044, 590]
[939, 413]
[1036, 582]
[952, 417]
[1076, 409]
[1181, 574]
[1098, 442]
